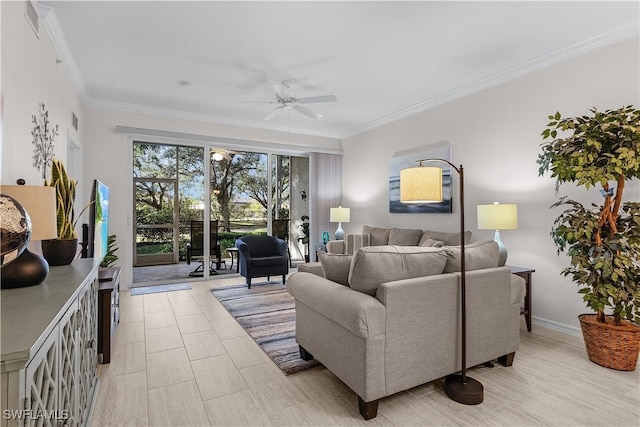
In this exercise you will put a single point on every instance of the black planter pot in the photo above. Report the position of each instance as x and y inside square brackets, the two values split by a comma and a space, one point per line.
[59, 251]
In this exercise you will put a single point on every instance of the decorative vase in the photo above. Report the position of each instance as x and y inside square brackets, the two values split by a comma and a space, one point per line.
[59, 251]
[611, 346]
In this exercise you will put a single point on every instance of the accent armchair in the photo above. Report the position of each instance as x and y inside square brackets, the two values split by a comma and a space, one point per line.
[261, 256]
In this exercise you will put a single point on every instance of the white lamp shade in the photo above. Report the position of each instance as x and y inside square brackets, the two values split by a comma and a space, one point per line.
[498, 217]
[339, 214]
[422, 184]
[40, 204]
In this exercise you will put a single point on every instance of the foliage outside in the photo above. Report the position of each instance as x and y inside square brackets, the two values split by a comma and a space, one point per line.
[602, 240]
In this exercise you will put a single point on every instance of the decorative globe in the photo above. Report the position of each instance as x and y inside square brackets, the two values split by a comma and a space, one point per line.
[15, 229]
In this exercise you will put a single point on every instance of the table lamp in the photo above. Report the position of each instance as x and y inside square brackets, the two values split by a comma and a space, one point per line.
[423, 184]
[339, 215]
[30, 269]
[498, 217]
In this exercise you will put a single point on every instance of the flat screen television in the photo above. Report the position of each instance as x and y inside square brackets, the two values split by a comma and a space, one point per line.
[98, 220]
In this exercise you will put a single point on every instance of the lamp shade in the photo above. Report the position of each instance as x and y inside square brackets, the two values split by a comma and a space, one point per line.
[40, 204]
[422, 184]
[339, 214]
[498, 217]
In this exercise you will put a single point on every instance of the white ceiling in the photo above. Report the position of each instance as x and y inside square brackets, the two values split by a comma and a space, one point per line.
[382, 60]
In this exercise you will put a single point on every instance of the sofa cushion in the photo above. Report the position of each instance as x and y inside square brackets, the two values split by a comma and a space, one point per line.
[404, 237]
[374, 265]
[335, 267]
[430, 243]
[449, 239]
[353, 242]
[478, 255]
[377, 236]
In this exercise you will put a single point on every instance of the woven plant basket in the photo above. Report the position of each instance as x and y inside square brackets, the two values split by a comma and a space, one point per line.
[615, 347]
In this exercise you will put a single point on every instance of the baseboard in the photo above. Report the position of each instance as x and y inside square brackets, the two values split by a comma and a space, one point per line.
[556, 326]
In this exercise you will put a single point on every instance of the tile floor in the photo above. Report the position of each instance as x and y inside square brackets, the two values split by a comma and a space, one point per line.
[179, 359]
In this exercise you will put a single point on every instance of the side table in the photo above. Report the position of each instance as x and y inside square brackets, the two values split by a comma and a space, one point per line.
[108, 309]
[525, 273]
[233, 251]
[319, 247]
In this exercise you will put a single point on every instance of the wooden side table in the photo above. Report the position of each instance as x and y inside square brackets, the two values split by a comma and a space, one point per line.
[108, 309]
[525, 273]
[233, 251]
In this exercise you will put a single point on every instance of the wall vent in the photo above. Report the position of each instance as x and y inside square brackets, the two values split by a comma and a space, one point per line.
[31, 14]
[74, 120]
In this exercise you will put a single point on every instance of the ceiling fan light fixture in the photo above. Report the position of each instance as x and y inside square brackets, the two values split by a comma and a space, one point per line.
[217, 156]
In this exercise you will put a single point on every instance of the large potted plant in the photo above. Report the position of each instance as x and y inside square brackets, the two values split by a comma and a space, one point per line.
[63, 250]
[602, 240]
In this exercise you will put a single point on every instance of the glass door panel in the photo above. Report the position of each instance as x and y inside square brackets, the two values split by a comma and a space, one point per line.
[156, 221]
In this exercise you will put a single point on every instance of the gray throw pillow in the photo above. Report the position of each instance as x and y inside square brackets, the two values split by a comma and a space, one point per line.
[374, 265]
[449, 239]
[478, 255]
[377, 236]
[404, 237]
[430, 243]
[335, 267]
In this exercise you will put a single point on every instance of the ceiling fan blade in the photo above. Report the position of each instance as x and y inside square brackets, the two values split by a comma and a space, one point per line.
[314, 99]
[307, 112]
[271, 113]
[282, 90]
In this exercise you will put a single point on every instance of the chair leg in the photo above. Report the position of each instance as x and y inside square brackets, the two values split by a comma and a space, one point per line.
[368, 410]
[304, 354]
[507, 359]
[284, 278]
[249, 282]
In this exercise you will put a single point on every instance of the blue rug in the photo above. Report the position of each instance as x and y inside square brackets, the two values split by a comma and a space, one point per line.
[143, 290]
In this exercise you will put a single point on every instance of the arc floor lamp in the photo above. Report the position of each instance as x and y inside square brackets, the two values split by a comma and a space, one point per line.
[423, 184]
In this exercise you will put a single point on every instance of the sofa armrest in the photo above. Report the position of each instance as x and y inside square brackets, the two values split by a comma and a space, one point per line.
[361, 314]
[335, 246]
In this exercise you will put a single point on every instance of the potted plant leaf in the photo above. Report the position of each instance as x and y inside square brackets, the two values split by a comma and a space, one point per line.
[602, 240]
[63, 250]
[110, 257]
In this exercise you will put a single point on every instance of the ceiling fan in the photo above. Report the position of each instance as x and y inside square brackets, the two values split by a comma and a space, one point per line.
[288, 102]
[218, 154]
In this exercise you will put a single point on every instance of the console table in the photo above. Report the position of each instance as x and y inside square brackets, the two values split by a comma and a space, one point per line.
[48, 360]
[108, 309]
[525, 273]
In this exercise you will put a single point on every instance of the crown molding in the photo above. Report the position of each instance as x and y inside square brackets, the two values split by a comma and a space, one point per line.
[52, 25]
[560, 55]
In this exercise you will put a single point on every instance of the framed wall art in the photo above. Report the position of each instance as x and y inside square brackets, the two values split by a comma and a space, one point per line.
[407, 159]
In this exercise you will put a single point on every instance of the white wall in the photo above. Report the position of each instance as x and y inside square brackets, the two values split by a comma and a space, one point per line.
[31, 75]
[495, 134]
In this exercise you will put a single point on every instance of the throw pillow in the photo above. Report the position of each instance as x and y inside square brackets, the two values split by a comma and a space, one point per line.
[373, 265]
[449, 239]
[404, 237]
[430, 243]
[335, 267]
[377, 236]
[478, 255]
[353, 242]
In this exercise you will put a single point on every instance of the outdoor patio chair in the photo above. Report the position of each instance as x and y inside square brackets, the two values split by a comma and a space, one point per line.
[195, 248]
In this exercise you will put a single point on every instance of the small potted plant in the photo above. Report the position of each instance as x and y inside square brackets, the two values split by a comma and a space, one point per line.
[602, 240]
[63, 250]
[305, 235]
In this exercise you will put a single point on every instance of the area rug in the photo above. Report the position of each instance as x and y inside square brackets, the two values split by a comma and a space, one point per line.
[267, 312]
[143, 290]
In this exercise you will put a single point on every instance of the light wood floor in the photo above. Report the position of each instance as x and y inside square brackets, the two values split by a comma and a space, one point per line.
[178, 358]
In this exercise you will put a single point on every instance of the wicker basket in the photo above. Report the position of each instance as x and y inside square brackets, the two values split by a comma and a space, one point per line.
[615, 347]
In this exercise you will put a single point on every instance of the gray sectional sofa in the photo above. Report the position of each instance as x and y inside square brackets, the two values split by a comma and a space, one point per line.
[387, 317]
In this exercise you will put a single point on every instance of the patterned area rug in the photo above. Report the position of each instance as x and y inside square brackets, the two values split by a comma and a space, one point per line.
[267, 313]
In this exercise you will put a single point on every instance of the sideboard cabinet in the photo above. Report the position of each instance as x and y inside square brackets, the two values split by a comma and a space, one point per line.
[49, 347]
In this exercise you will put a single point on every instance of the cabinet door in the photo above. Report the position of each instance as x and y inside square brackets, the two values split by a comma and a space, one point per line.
[68, 381]
[41, 385]
[87, 346]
